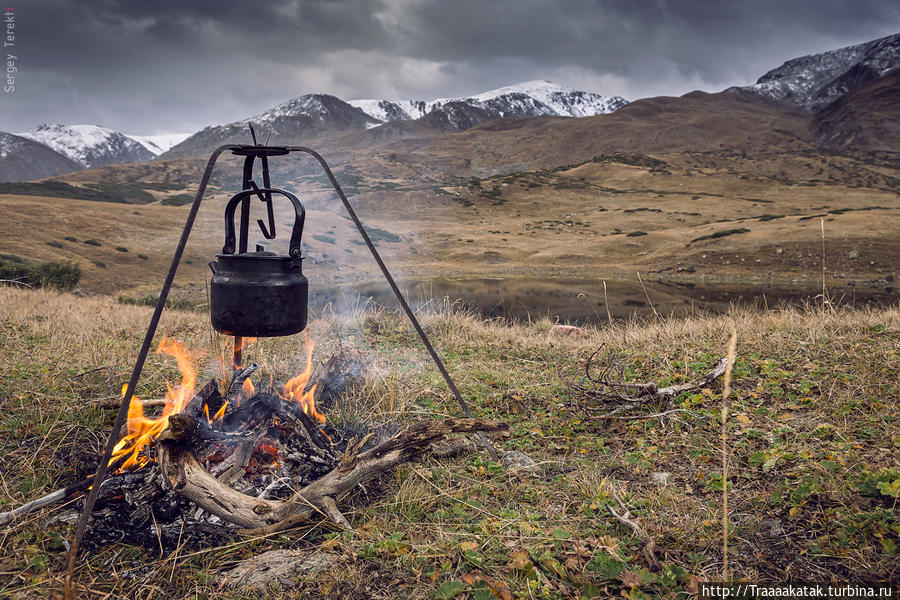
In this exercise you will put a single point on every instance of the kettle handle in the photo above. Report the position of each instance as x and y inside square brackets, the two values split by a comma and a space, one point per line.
[299, 219]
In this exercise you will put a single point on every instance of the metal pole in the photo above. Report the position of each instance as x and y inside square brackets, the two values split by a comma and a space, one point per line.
[103, 468]
[400, 298]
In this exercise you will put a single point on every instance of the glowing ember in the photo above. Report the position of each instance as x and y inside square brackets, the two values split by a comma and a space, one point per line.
[142, 430]
[294, 388]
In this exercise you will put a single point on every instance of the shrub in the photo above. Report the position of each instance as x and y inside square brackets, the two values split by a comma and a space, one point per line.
[70, 238]
[636, 233]
[376, 234]
[177, 200]
[99, 263]
[719, 234]
[92, 242]
[54, 244]
[121, 248]
[62, 275]
[150, 300]
[142, 256]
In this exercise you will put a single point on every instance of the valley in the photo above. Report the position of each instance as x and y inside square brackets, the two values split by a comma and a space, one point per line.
[721, 221]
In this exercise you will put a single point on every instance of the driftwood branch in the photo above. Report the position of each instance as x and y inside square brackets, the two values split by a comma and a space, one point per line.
[606, 385]
[258, 515]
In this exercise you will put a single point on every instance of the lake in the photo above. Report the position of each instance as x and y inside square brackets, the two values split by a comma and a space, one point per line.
[579, 300]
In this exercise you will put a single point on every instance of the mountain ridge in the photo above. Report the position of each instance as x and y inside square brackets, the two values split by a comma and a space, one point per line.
[313, 114]
[89, 145]
[812, 82]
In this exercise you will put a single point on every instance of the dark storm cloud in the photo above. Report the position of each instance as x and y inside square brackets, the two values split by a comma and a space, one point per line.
[168, 65]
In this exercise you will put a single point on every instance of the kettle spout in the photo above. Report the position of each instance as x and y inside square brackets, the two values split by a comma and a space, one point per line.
[213, 266]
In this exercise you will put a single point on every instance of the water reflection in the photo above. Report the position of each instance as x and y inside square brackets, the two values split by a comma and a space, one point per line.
[575, 300]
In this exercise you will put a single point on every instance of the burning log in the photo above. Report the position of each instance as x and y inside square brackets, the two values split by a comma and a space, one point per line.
[188, 478]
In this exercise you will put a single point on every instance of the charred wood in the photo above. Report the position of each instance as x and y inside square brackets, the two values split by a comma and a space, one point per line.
[314, 501]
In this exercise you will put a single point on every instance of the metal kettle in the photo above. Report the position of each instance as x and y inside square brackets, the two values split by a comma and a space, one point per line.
[259, 294]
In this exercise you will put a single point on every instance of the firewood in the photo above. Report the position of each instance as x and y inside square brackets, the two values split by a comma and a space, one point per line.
[58, 496]
[187, 477]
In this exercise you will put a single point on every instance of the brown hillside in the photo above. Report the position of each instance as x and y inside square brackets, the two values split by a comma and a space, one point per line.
[868, 118]
[696, 122]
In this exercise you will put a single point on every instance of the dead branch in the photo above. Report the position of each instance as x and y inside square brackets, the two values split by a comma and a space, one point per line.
[649, 549]
[259, 515]
[606, 385]
[66, 493]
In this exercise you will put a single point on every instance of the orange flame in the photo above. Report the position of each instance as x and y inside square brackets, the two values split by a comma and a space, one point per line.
[294, 388]
[142, 430]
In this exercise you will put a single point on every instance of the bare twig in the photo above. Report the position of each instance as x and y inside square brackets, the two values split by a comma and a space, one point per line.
[607, 384]
[624, 517]
[646, 295]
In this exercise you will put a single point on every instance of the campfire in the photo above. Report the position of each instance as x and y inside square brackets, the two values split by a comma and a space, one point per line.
[132, 449]
[233, 458]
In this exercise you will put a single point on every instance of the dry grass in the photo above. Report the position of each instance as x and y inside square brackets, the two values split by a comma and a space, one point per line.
[569, 221]
[814, 432]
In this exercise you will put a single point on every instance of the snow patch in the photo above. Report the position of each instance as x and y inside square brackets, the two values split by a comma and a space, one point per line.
[529, 98]
[157, 144]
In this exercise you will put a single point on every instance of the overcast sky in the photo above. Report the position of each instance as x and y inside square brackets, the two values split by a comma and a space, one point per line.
[164, 66]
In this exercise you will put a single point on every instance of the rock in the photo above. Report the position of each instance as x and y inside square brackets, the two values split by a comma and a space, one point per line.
[853, 254]
[518, 461]
[660, 477]
[779, 251]
[276, 567]
[771, 527]
[566, 330]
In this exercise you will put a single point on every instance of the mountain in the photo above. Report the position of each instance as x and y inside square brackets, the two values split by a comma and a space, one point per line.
[314, 114]
[810, 83]
[291, 121]
[90, 145]
[527, 99]
[157, 144]
[867, 118]
[22, 159]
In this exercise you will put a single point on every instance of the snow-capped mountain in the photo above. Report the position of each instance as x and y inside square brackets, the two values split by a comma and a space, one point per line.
[157, 144]
[90, 145]
[296, 119]
[22, 159]
[812, 82]
[527, 99]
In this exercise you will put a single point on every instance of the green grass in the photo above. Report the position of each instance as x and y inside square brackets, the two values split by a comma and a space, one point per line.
[173, 303]
[813, 436]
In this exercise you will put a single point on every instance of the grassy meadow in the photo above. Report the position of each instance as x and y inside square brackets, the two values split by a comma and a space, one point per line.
[813, 439]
